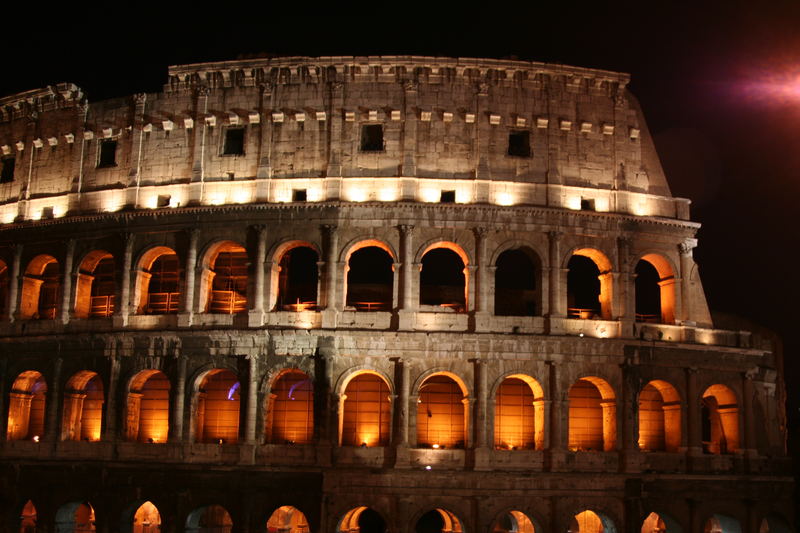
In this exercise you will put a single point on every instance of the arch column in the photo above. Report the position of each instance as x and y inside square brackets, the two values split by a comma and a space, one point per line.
[176, 433]
[626, 310]
[695, 437]
[66, 284]
[251, 415]
[402, 373]
[685, 248]
[256, 315]
[109, 431]
[13, 283]
[557, 282]
[482, 452]
[748, 392]
[557, 430]
[481, 277]
[185, 319]
[122, 311]
[328, 294]
[407, 302]
[52, 429]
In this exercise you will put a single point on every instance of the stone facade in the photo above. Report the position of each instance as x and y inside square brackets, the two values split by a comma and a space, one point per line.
[157, 336]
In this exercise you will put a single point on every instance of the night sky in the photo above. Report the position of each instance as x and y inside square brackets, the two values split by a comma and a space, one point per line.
[714, 82]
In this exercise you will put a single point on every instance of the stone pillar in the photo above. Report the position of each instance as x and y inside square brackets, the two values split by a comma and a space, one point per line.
[137, 141]
[256, 317]
[481, 278]
[122, 310]
[329, 296]
[66, 287]
[110, 415]
[14, 279]
[748, 393]
[558, 429]
[685, 305]
[189, 281]
[558, 300]
[409, 137]
[252, 400]
[199, 145]
[407, 303]
[52, 429]
[481, 385]
[176, 433]
[693, 414]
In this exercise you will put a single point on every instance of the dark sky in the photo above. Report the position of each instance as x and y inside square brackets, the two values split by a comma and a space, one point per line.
[704, 75]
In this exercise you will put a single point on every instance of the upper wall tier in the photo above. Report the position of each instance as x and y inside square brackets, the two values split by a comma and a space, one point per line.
[289, 129]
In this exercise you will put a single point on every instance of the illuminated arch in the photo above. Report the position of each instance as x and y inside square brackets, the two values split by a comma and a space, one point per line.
[26, 406]
[774, 523]
[519, 413]
[369, 286]
[442, 411]
[287, 519]
[580, 296]
[75, 517]
[147, 407]
[720, 523]
[592, 415]
[41, 288]
[514, 521]
[83, 407]
[659, 417]
[28, 518]
[518, 281]
[223, 282]
[592, 522]
[660, 523]
[442, 281]
[438, 519]
[209, 519]
[141, 517]
[361, 520]
[95, 287]
[217, 405]
[158, 282]
[294, 276]
[720, 420]
[365, 410]
[290, 409]
[656, 290]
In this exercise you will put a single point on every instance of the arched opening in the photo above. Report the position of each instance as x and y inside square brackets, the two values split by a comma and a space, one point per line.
[26, 407]
[298, 278]
[655, 290]
[774, 523]
[290, 413]
[41, 287]
[4, 283]
[722, 524]
[519, 414]
[228, 280]
[361, 520]
[83, 407]
[660, 523]
[438, 521]
[218, 408]
[370, 279]
[27, 519]
[147, 519]
[287, 519]
[148, 408]
[659, 418]
[516, 285]
[159, 282]
[591, 522]
[443, 279]
[75, 517]
[95, 286]
[441, 413]
[366, 411]
[720, 420]
[514, 522]
[209, 519]
[589, 283]
[592, 416]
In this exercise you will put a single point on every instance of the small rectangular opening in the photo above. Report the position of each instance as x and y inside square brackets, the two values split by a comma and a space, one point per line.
[299, 195]
[163, 200]
[447, 197]
[108, 154]
[234, 142]
[587, 204]
[47, 212]
[519, 143]
[8, 169]
[372, 138]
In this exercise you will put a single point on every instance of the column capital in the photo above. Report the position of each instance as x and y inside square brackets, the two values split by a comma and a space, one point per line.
[555, 235]
[405, 229]
[480, 232]
[328, 229]
[686, 247]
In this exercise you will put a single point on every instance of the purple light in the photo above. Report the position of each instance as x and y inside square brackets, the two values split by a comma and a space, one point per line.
[233, 390]
[293, 387]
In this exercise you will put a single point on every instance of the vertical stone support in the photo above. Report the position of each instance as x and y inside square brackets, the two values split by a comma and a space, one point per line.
[14, 280]
[335, 123]
[199, 146]
[256, 317]
[402, 407]
[558, 288]
[396, 273]
[625, 289]
[191, 268]
[407, 278]
[52, 429]
[176, 433]
[558, 429]
[470, 289]
[122, 311]
[264, 170]
[325, 407]
[748, 395]
[66, 286]
[482, 274]
[685, 304]
[410, 124]
[329, 294]
[251, 418]
[137, 144]
[110, 414]
[627, 411]
[481, 419]
[693, 414]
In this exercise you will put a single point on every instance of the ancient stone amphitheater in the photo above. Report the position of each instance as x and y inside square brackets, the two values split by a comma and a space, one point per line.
[367, 294]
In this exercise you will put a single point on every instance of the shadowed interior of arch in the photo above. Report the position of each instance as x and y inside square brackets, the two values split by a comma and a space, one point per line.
[297, 280]
[162, 285]
[147, 409]
[443, 280]
[361, 520]
[290, 413]
[26, 407]
[720, 420]
[370, 280]
[515, 288]
[95, 286]
[28, 518]
[75, 517]
[514, 522]
[722, 524]
[229, 283]
[438, 521]
[41, 286]
[209, 519]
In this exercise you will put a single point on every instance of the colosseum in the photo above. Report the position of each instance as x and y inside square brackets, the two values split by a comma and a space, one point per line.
[367, 294]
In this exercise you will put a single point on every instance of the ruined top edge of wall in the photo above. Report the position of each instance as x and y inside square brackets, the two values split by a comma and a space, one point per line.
[50, 96]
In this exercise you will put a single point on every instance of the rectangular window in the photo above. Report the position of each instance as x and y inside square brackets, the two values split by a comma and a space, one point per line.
[587, 204]
[299, 195]
[8, 169]
[519, 143]
[234, 142]
[447, 197]
[372, 138]
[108, 154]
